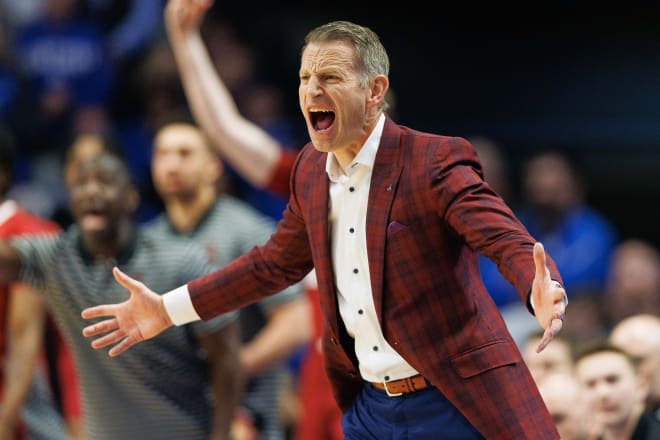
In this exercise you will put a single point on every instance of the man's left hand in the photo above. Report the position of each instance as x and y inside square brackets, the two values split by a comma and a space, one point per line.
[548, 297]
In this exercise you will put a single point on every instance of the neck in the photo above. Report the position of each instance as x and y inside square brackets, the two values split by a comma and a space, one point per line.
[346, 155]
[185, 215]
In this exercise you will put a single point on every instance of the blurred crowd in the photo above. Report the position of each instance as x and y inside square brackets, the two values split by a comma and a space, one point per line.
[75, 70]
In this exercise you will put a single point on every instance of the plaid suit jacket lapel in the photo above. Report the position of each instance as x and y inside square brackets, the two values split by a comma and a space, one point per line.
[320, 241]
[384, 180]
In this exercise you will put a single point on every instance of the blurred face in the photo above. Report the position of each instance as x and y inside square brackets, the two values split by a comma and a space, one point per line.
[101, 197]
[555, 358]
[549, 184]
[563, 397]
[634, 281]
[332, 100]
[182, 163]
[639, 336]
[610, 386]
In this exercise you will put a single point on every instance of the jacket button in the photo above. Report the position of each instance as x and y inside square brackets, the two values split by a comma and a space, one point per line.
[333, 340]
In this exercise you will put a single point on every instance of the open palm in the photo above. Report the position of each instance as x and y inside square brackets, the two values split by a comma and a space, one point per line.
[142, 316]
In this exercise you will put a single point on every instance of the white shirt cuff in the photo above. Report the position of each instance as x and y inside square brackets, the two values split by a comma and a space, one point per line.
[179, 306]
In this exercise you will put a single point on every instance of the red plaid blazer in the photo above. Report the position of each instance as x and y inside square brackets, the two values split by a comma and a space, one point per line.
[429, 214]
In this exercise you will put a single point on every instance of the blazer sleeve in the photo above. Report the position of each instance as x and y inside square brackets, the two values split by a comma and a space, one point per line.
[474, 211]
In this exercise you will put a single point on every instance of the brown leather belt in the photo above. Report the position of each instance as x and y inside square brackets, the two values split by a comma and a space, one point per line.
[402, 386]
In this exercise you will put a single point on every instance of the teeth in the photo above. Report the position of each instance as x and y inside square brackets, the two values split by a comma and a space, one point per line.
[319, 110]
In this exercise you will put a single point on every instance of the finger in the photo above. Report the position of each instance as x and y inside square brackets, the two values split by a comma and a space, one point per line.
[101, 327]
[126, 281]
[549, 334]
[108, 339]
[97, 311]
[539, 260]
[120, 348]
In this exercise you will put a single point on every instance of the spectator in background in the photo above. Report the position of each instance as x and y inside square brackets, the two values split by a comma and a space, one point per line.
[639, 336]
[130, 28]
[615, 394]
[28, 409]
[555, 211]
[633, 283]
[158, 88]
[64, 60]
[186, 385]
[83, 147]
[185, 171]
[556, 358]
[568, 407]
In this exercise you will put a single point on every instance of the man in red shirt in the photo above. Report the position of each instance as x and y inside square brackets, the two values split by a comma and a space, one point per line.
[27, 409]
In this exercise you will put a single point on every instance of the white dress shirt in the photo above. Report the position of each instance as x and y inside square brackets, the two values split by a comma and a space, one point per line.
[349, 193]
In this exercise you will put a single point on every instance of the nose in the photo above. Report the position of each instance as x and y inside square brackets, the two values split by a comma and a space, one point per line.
[91, 187]
[314, 86]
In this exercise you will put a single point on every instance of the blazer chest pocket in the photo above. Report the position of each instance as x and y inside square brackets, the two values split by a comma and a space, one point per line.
[394, 228]
[484, 358]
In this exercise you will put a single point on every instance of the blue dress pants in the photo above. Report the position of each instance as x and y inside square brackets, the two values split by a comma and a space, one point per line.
[422, 415]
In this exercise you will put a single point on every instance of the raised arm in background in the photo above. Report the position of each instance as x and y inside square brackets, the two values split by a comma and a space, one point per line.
[242, 143]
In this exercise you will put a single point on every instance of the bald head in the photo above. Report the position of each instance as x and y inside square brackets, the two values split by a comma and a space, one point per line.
[639, 336]
[638, 333]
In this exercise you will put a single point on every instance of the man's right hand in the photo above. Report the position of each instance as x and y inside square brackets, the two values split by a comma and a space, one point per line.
[139, 318]
[184, 16]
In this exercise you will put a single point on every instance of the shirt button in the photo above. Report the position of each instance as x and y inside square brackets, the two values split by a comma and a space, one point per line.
[351, 189]
[375, 348]
[387, 378]
[360, 311]
[355, 270]
[351, 230]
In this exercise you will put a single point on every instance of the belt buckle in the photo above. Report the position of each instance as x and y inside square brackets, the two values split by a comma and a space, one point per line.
[391, 394]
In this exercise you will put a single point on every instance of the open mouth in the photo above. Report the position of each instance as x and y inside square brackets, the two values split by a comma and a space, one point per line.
[93, 220]
[321, 119]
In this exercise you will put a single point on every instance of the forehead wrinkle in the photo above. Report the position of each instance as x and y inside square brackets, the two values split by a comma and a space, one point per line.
[326, 59]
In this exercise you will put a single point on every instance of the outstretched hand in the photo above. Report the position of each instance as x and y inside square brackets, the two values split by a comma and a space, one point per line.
[549, 299]
[186, 15]
[139, 318]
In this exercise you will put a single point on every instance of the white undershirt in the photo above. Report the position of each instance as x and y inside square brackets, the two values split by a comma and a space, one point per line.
[349, 193]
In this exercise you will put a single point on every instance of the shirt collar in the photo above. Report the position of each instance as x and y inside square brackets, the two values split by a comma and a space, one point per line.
[366, 156]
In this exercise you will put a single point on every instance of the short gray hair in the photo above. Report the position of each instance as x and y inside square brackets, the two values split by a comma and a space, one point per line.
[370, 56]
